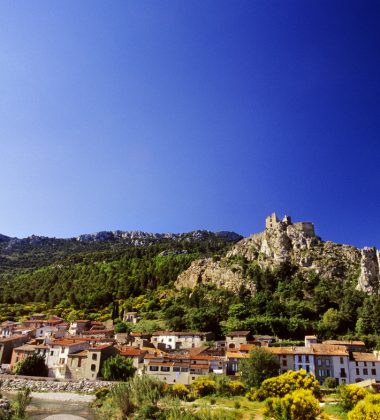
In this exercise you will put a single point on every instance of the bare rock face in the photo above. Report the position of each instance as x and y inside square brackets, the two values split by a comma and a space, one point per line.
[294, 243]
[207, 271]
[369, 273]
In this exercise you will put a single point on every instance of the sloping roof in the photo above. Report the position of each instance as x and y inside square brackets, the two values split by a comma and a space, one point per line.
[364, 357]
[238, 334]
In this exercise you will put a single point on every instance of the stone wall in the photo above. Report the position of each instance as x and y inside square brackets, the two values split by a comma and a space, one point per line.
[11, 382]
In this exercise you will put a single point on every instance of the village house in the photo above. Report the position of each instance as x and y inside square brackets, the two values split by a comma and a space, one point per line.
[59, 351]
[172, 340]
[8, 344]
[183, 368]
[235, 338]
[7, 328]
[364, 366]
[137, 355]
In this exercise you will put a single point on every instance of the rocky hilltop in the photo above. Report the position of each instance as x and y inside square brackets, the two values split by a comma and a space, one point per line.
[285, 242]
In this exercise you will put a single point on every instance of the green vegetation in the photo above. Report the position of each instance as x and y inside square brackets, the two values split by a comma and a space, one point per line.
[297, 405]
[350, 395]
[259, 366]
[369, 408]
[117, 368]
[98, 280]
[32, 365]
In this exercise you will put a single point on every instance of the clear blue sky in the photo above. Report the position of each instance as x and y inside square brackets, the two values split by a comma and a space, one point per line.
[170, 116]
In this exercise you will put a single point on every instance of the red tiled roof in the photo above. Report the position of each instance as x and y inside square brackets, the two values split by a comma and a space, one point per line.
[199, 367]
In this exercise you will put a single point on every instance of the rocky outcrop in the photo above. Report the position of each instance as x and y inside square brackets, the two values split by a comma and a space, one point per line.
[293, 243]
[207, 271]
[369, 270]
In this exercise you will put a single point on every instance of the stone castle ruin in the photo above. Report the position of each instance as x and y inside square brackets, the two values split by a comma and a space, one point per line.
[272, 222]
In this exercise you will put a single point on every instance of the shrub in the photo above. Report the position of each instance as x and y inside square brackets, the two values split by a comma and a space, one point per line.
[180, 391]
[203, 386]
[21, 403]
[236, 388]
[350, 395]
[288, 382]
[369, 408]
[330, 383]
[102, 392]
[297, 405]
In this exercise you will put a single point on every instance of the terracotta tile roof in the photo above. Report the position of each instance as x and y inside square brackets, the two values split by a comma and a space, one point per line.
[132, 352]
[236, 355]
[364, 357]
[238, 334]
[247, 347]
[25, 347]
[344, 343]
[67, 342]
[199, 366]
[100, 346]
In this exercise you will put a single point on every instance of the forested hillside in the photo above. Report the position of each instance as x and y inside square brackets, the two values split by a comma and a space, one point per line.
[97, 277]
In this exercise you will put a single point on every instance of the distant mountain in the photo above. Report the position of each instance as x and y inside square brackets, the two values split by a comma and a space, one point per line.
[36, 251]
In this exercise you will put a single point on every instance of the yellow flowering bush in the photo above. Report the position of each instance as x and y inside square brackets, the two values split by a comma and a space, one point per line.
[350, 395]
[298, 405]
[236, 388]
[288, 382]
[179, 390]
[367, 409]
[203, 386]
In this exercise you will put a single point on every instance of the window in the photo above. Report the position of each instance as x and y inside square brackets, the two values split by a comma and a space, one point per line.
[342, 373]
[52, 353]
[61, 361]
[176, 369]
[319, 362]
[184, 369]
[153, 368]
[357, 371]
[356, 364]
[284, 363]
[373, 363]
[94, 356]
[299, 359]
[93, 368]
[341, 360]
[170, 340]
[165, 369]
[307, 369]
[365, 371]
[373, 372]
[327, 362]
[365, 363]
[307, 359]
[79, 361]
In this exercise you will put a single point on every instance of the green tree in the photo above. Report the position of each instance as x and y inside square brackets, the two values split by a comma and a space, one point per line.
[259, 366]
[117, 368]
[32, 365]
[122, 327]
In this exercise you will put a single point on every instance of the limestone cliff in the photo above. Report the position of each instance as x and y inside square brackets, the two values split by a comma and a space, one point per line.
[285, 242]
